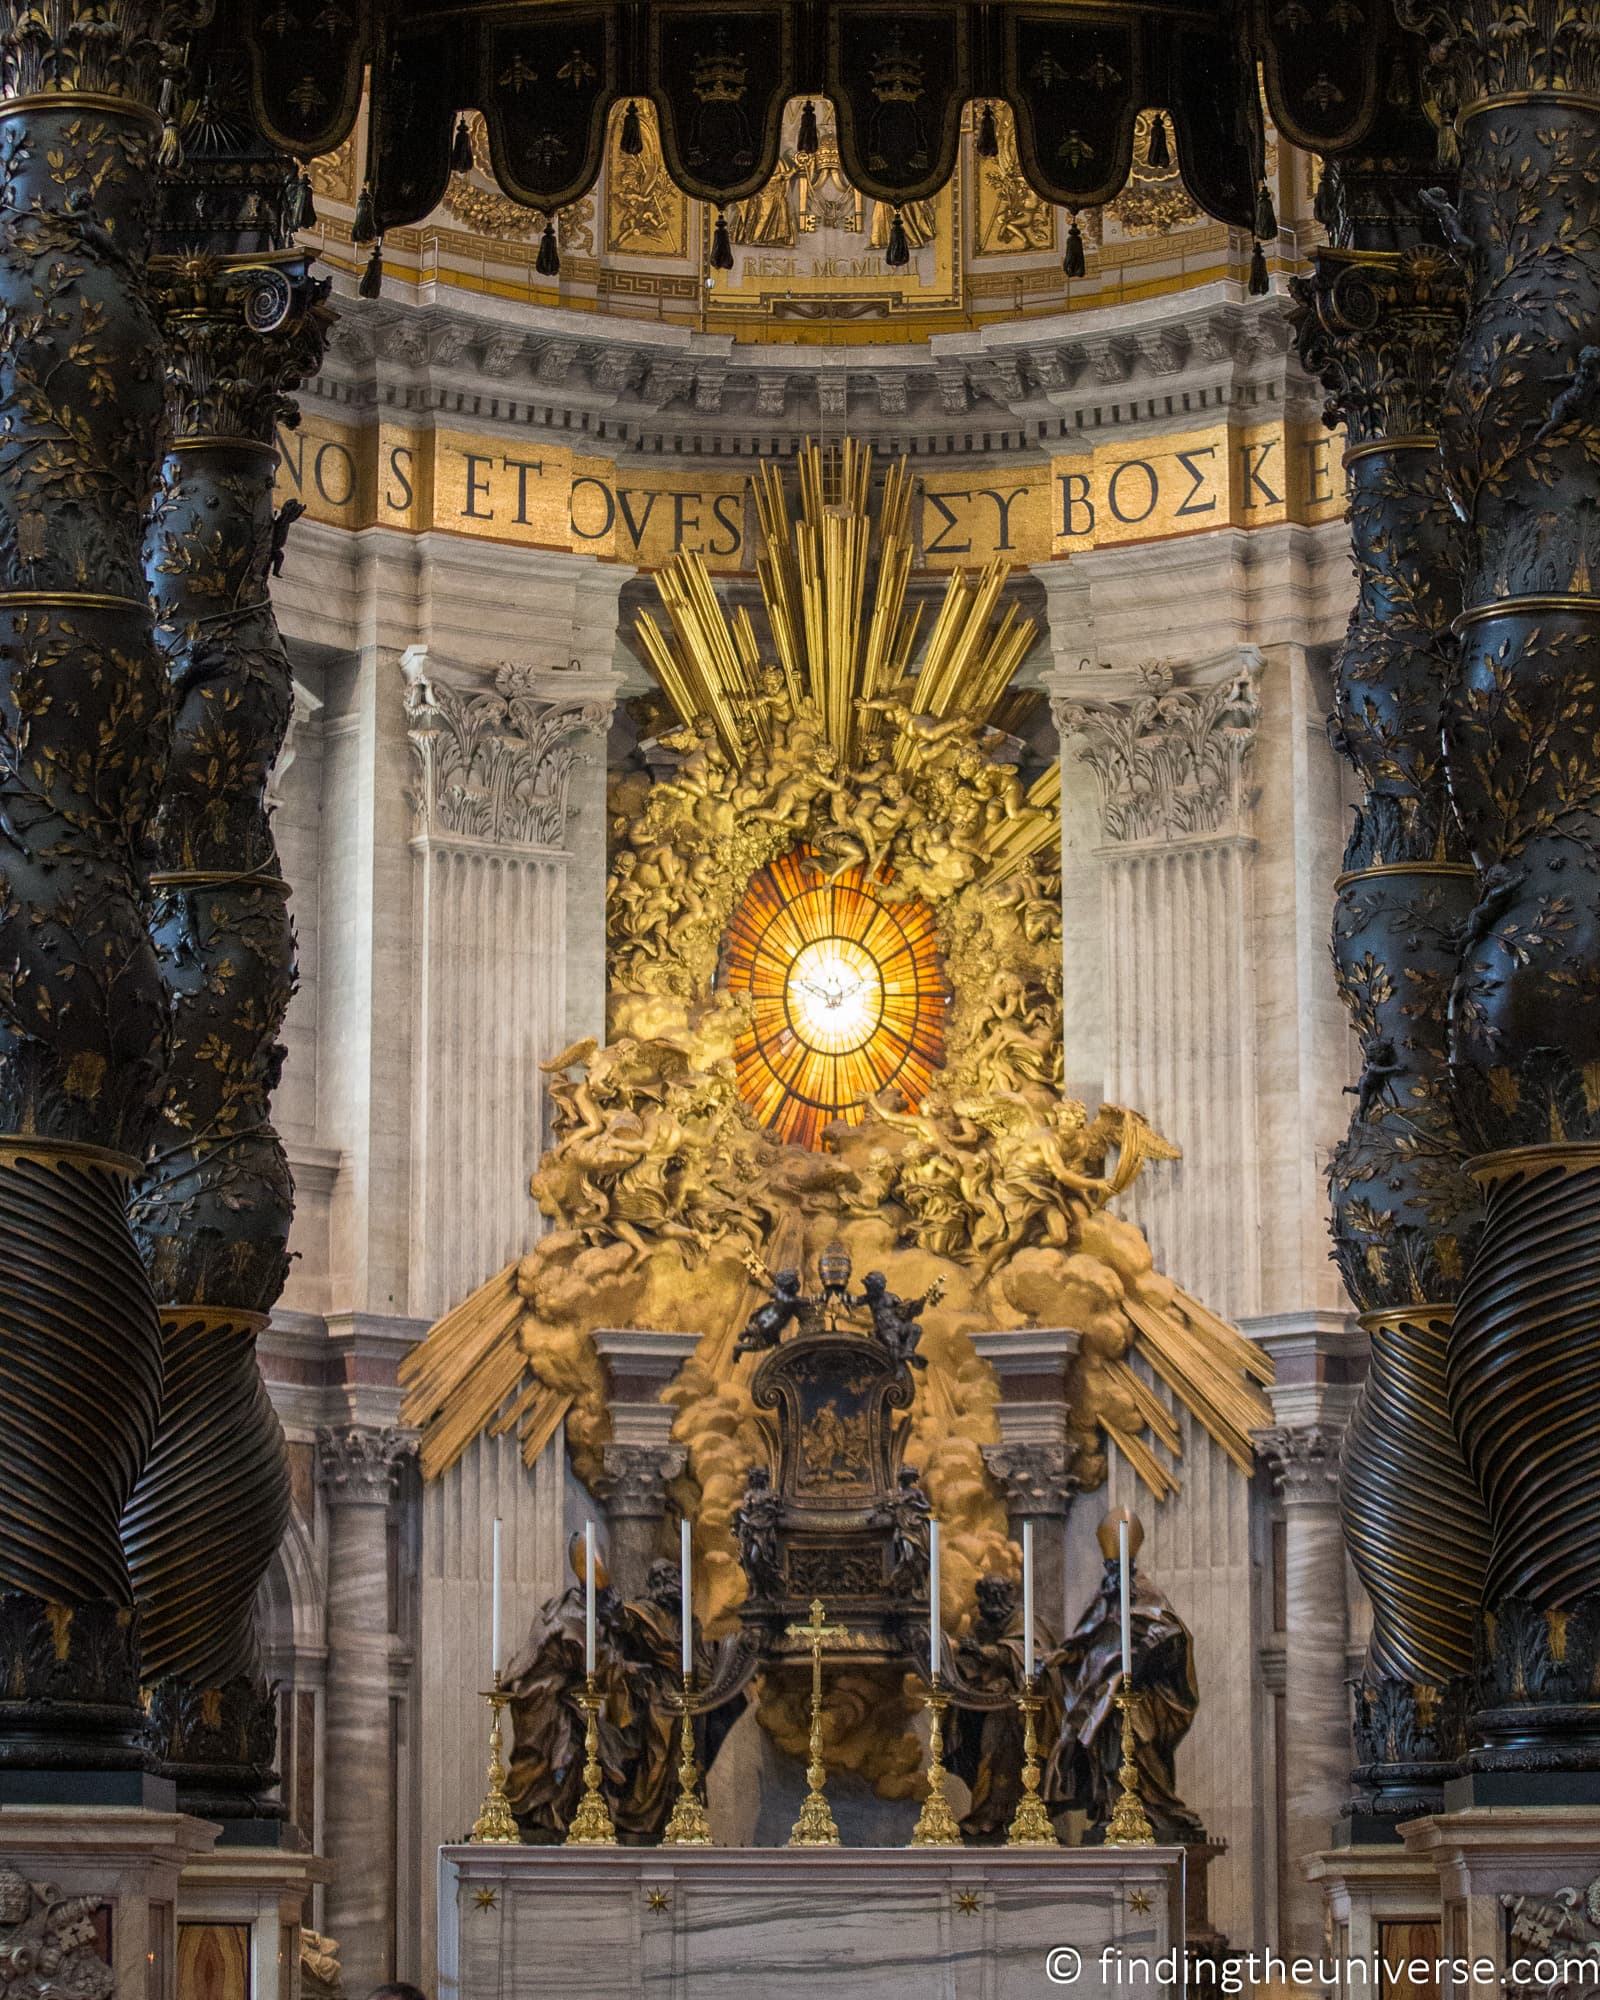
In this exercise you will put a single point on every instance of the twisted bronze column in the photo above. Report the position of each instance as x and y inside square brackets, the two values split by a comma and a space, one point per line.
[83, 725]
[244, 324]
[1522, 738]
[1379, 321]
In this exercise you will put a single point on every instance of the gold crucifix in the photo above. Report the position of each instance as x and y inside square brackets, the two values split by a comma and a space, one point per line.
[815, 1827]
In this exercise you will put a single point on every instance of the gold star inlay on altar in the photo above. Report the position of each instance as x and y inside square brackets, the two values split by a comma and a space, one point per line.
[847, 995]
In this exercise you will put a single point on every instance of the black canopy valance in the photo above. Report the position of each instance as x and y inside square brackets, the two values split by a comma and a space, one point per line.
[719, 73]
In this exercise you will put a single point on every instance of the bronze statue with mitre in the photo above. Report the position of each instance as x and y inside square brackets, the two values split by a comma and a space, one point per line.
[1083, 1767]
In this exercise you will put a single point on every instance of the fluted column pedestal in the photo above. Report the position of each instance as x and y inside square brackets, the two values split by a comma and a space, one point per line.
[1316, 1708]
[360, 1473]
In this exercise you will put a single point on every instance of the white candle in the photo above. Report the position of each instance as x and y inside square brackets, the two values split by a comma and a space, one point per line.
[933, 1600]
[588, 1598]
[1027, 1598]
[1122, 1565]
[688, 1599]
[494, 1613]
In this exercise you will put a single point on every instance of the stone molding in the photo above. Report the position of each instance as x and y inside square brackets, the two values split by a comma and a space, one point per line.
[1171, 762]
[1303, 1460]
[641, 386]
[361, 1465]
[493, 764]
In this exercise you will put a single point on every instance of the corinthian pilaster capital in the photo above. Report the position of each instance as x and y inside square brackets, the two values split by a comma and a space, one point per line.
[1170, 761]
[493, 764]
[1379, 329]
[633, 1483]
[1035, 1478]
[360, 1465]
[1303, 1460]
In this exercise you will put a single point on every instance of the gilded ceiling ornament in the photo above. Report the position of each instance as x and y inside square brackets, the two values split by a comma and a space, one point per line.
[1155, 199]
[646, 214]
[334, 174]
[485, 209]
[1010, 217]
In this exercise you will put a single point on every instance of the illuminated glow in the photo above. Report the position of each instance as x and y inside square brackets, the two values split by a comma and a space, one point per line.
[834, 995]
[847, 997]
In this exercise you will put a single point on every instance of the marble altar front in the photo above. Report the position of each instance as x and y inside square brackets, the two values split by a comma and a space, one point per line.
[651, 1923]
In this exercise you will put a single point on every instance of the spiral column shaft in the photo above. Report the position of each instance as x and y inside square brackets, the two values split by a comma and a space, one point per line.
[83, 725]
[1379, 322]
[1522, 745]
[244, 325]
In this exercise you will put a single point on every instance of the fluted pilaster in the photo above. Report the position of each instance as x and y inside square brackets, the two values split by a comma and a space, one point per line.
[360, 1469]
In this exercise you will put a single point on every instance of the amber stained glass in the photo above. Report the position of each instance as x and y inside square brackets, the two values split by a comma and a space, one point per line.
[848, 996]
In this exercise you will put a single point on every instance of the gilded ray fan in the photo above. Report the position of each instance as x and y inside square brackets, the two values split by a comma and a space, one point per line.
[834, 583]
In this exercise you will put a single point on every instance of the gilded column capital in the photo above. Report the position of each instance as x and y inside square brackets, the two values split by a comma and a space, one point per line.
[1488, 48]
[493, 764]
[1035, 1478]
[360, 1465]
[1171, 762]
[633, 1482]
[78, 47]
[1303, 1460]
[242, 332]
[1379, 329]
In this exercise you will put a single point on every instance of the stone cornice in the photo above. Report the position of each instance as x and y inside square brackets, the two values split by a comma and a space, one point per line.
[630, 385]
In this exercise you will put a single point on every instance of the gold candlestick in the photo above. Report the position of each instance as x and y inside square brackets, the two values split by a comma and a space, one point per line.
[936, 1824]
[591, 1823]
[815, 1827]
[495, 1825]
[1130, 1824]
[689, 1825]
[1030, 1823]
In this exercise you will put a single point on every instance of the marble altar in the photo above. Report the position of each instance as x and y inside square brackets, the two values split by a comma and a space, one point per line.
[523, 1923]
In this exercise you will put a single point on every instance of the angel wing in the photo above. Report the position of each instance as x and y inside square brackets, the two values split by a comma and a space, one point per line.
[1134, 1141]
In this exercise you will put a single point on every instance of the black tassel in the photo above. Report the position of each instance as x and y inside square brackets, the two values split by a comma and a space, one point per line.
[1260, 284]
[806, 141]
[372, 277]
[461, 149]
[1399, 91]
[1073, 263]
[897, 251]
[632, 140]
[1266, 215]
[300, 209]
[1158, 154]
[988, 135]
[365, 227]
[548, 261]
[721, 244]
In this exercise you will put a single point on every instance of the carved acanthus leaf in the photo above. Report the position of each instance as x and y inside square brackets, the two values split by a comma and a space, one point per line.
[1170, 762]
[494, 764]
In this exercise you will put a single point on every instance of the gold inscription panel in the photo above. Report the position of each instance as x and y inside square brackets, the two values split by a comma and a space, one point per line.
[548, 496]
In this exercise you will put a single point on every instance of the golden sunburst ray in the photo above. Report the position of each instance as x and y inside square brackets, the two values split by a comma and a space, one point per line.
[834, 584]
